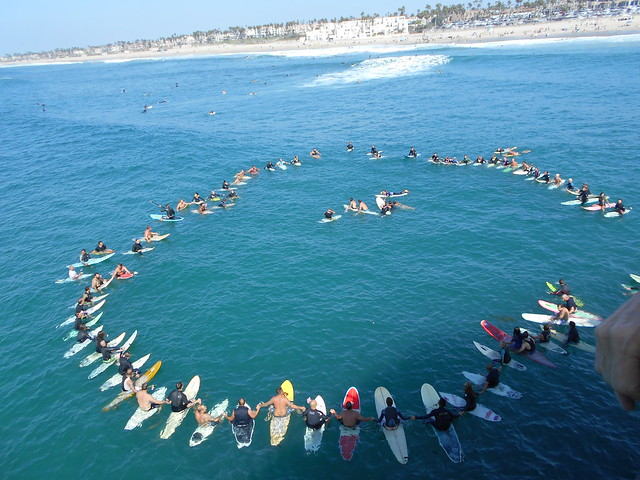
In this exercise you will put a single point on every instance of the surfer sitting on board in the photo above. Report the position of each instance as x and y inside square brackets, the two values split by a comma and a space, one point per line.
[441, 418]
[314, 153]
[148, 234]
[179, 400]
[314, 418]
[170, 213]
[281, 404]
[253, 170]
[97, 281]
[182, 205]
[374, 150]
[233, 194]
[349, 146]
[492, 379]
[270, 166]
[570, 186]
[562, 316]
[545, 335]
[469, 398]
[203, 418]
[391, 416]
[242, 415]
[296, 160]
[328, 214]
[352, 204]
[84, 256]
[572, 334]
[146, 401]
[121, 270]
[202, 208]
[196, 199]
[225, 185]
[349, 417]
[619, 207]
[412, 153]
[362, 207]
[569, 303]
[73, 275]
[137, 246]
[101, 249]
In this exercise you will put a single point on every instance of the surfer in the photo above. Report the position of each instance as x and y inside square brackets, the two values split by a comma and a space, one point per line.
[602, 202]
[225, 185]
[528, 344]
[374, 150]
[362, 207]
[545, 335]
[170, 213]
[233, 194]
[179, 400]
[584, 194]
[619, 207]
[314, 153]
[101, 249]
[242, 416]
[270, 166]
[391, 416]
[386, 209]
[128, 385]
[87, 296]
[570, 186]
[469, 398]
[376, 155]
[296, 161]
[572, 334]
[350, 147]
[562, 289]
[413, 153]
[562, 315]
[253, 170]
[182, 205]
[353, 205]
[349, 417]
[328, 214]
[73, 275]
[545, 177]
[197, 199]
[492, 378]
[557, 180]
[146, 401]
[148, 234]
[203, 418]
[121, 270]
[281, 404]
[125, 364]
[441, 418]
[213, 196]
[314, 418]
[97, 281]
[83, 334]
[101, 346]
[436, 159]
[84, 257]
[80, 309]
[569, 303]
[137, 246]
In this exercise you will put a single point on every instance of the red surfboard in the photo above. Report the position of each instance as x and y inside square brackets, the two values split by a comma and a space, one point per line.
[349, 436]
[501, 336]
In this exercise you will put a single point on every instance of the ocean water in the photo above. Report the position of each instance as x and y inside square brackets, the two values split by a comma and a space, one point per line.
[263, 292]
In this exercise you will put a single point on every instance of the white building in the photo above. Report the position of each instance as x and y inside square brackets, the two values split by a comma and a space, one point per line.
[354, 29]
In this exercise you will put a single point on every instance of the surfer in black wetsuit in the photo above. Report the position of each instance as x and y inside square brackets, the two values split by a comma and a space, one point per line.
[619, 207]
[125, 364]
[84, 256]
[492, 379]
[412, 153]
[442, 418]
[328, 214]
[270, 166]
[179, 400]
[572, 334]
[545, 177]
[314, 418]
[584, 193]
[242, 416]
[374, 150]
[225, 185]
[137, 246]
[197, 198]
[545, 335]
[349, 146]
[391, 416]
[83, 334]
[570, 186]
[569, 303]
[562, 289]
[233, 194]
[469, 398]
[170, 213]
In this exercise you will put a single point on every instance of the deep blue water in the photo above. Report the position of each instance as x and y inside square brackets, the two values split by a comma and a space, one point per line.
[251, 296]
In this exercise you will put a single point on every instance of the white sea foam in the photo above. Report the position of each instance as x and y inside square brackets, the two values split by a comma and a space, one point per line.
[335, 51]
[39, 64]
[382, 68]
[525, 42]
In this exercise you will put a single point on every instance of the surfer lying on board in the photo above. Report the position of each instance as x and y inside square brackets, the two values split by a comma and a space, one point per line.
[391, 416]
[203, 418]
[170, 213]
[73, 275]
[179, 400]
[146, 401]
[242, 415]
[280, 403]
[492, 379]
[148, 234]
[328, 214]
[121, 270]
[182, 205]
[314, 418]
[101, 249]
[349, 417]
[441, 418]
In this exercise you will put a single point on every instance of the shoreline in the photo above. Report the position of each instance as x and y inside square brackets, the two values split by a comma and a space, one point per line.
[564, 29]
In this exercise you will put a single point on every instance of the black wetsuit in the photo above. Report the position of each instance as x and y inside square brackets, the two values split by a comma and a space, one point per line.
[584, 195]
[179, 401]
[470, 402]
[241, 417]
[136, 247]
[545, 336]
[442, 418]
[314, 418]
[619, 208]
[84, 258]
[571, 304]
[572, 336]
[391, 416]
[82, 336]
[562, 290]
[79, 321]
[79, 308]
[125, 365]
[328, 215]
[169, 211]
[100, 248]
[532, 344]
[225, 186]
[493, 378]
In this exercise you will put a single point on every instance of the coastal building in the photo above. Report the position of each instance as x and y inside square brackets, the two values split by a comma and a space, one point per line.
[355, 29]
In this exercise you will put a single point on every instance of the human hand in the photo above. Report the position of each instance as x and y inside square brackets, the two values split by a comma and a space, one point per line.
[618, 352]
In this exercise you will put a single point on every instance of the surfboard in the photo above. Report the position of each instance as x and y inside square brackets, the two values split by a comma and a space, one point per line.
[144, 250]
[579, 202]
[380, 195]
[616, 214]
[501, 336]
[578, 314]
[81, 346]
[92, 357]
[380, 202]
[271, 169]
[552, 288]
[332, 219]
[580, 322]
[395, 437]
[313, 437]
[74, 333]
[480, 411]
[349, 436]
[502, 389]
[634, 277]
[204, 431]
[164, 218]
[595, 208]
[92, 261]
[69, 280]
[554, 186]
[140, 415]
[176, 418]
[448, 439]
[144, 378]
[104, 365]
[281, 166]
[519, 172]
[155, 238]
[243, 434]
[495, 356]
[104, 285]
[561, 337]
[279, 425]
[116, 379]
[94, 300]
[89, 311]
[206, 212]
[552, 347]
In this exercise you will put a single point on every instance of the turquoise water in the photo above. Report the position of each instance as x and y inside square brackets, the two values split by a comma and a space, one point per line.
[251, 296]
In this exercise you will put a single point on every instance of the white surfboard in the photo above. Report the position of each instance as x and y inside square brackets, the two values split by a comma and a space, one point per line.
[502, 389]
[140, 415]
[116, 379]
[313, 438]
[244, 434]
[89, 359]
[89, 311]
[495, 356]
[204, 431]
[616, 214]
[395, 438]
[448, 439]
[80, 346]
[480, 411]
[144, 250]
[104, 365]
[176, 418]
[332, 219]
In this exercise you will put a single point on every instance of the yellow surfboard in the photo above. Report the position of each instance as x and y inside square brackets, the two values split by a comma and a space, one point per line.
[279, 425]
[122, 396]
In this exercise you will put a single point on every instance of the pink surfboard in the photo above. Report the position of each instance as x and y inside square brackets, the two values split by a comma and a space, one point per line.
[349, 436]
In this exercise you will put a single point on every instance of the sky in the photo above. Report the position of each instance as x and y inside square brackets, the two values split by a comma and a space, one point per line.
[39, 25]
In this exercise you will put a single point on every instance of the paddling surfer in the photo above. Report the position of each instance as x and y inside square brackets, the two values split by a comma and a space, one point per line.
[170, 212]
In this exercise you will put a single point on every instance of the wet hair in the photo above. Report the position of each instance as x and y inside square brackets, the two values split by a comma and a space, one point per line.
[389, 401]
[468, 389]
[442, 402]
[279, 390]
[348, 405]
[144, 386]
[179, 385]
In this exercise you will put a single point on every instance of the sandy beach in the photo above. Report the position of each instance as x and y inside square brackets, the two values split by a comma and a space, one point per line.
[573, 28]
